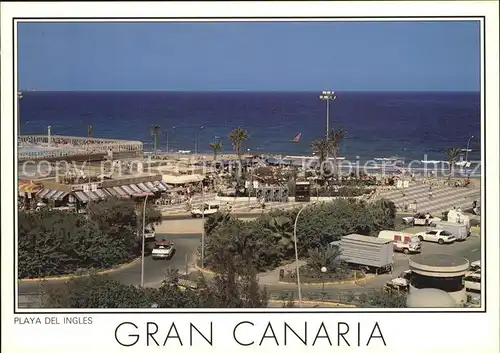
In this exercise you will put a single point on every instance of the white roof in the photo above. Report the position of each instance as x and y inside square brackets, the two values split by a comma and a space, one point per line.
[366, 238]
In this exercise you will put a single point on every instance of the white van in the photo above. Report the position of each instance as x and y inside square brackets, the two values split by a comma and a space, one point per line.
[403, 242]
[206, 210]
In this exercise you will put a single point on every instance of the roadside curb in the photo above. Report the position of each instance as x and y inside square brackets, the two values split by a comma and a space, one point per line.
[352, 281]
[67, 277]
[242, 213]
[334, 304]
[204, 271]
[180, 234]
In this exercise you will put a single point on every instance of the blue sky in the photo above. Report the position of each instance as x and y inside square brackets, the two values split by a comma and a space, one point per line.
[250, 56]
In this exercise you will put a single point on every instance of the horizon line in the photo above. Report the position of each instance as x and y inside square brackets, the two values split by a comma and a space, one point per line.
[250, 91]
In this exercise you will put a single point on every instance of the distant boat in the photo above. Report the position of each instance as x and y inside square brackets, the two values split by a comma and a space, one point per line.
[433, 162]
[297, 137]
[388, 159]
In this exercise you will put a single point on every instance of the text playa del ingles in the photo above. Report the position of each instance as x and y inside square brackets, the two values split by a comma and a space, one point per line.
[248, 333]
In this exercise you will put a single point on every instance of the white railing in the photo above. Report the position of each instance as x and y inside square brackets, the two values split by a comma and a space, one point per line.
[63, 146]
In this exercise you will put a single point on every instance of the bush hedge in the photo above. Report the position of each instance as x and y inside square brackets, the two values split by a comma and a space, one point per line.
[267, 241]
[54, 243]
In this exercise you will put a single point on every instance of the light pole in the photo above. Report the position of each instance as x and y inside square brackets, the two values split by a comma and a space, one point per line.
[297, 267]
[49, 134]
[143, 239]
[202, 226]
[19, 97]
[467, 150]
[323, 271]
[196, 141]
[327, 96]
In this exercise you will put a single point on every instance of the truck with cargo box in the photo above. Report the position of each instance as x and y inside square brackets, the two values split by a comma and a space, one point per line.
[459, 230]
[369, 254]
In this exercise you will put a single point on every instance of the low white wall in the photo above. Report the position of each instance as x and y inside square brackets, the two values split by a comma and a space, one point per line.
[290, 199]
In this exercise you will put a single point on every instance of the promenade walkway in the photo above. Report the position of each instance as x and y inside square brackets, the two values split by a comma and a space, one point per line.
[236, 206]
[443, 197]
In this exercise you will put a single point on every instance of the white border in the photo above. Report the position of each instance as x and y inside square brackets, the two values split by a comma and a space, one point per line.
[474, 325]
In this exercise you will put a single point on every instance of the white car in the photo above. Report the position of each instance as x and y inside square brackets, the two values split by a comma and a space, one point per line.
[476, 264]
[437, 235]
[163, 249]
[209, 208]
[472, 282]
[149, 233]
[420, 219]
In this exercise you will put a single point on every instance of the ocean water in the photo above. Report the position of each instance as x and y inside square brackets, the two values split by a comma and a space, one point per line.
[409, 125]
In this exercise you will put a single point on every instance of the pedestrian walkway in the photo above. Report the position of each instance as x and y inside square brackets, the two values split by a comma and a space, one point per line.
[238, 206]
[443, 198]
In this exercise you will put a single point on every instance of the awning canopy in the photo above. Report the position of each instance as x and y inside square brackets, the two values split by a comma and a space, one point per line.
[122, 191]
[52, 194]
[182, 179]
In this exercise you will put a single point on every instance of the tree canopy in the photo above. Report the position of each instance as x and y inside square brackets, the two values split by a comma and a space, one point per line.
[226, 290]
[59, 242]
[268, 240]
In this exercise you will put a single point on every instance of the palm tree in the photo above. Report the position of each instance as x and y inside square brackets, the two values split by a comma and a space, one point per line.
[322, 257]
[218, 219]
[237, 136]
[451, 157]
[281, 227]
[154, 131]
[320, 147]
[335, 138]
[216, 147]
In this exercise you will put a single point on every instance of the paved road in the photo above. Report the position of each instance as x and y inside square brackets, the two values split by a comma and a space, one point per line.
[179, 217]
[470, 249]
[186, 245]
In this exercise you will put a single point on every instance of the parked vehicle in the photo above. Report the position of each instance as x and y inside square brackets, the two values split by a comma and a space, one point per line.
[369, 254]
[163, 249]
[475, 265]
[440, 236]
[207, 209]
[420, 219]
[397, 285]
[456, 216]
[459, 230]
[149, 234]
[403, 242]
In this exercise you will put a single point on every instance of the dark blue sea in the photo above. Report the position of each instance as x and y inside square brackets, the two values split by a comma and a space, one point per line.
[408, 125]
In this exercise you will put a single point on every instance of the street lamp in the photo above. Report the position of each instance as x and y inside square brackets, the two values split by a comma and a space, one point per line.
[143, 239]
[467, 150]
[167, 137]
[297, 253]
[327, 96]
[19, 97]
[196, 142]
[323, 271]
[49, 134]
